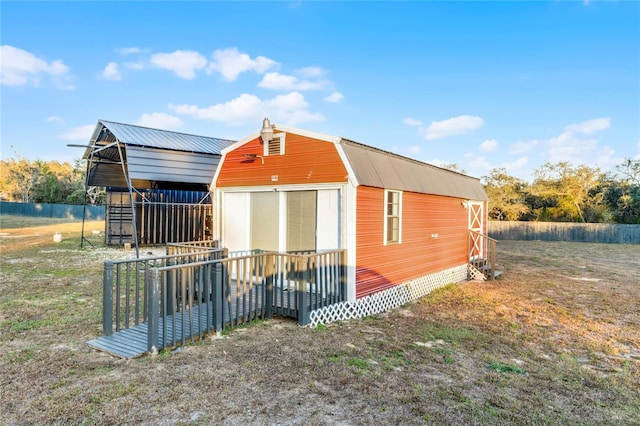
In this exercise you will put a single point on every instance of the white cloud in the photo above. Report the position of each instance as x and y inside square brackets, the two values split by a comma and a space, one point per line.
[567, 147]
[159, 120]
[291, 109]
[311, 72]
[112, 72]
[277, 81]
[605, 158]
[412, 122]
[182, 62]
[19, 67]
[128, 50]
[240, 110]
[514, 166]
[335, 97]
[415, 149]
[452, 126]
[521, 147]
[637, 157]
[230, 63]
[55, 119]
[489, 145]
[82, 133]
[134, 65]
[480, 162]
[589, 126]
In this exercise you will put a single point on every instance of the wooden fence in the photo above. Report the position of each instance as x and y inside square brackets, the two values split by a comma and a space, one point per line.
[563, 231]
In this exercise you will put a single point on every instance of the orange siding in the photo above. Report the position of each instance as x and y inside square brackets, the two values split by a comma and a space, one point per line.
[380, 267]
[305, 161]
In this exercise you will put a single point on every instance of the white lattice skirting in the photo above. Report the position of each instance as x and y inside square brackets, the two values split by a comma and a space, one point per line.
[388, 299]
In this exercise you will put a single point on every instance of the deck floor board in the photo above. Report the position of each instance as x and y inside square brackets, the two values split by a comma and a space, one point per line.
[188, 325]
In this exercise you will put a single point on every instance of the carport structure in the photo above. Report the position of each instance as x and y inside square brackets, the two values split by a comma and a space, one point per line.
[157, 182]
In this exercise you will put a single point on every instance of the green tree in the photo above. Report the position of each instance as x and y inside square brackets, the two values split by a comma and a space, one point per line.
[562, 192]
[506, 195]
[622, 194]
[19, 178]
[46, 182]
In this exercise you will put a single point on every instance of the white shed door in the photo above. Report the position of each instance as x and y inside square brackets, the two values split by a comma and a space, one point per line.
[328, 220]
[235, 221]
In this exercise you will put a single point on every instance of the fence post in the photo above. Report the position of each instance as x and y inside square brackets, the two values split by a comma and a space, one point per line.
[218, 296]
[153, 286]
[107, 299]
[268, 273]
[302, 265]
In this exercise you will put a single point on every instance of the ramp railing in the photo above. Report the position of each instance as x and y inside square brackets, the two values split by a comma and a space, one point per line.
[124, 300]
[190, 299]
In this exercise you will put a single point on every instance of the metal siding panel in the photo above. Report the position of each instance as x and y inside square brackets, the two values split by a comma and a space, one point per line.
[380, 267]
[305, 161]
[164, 165]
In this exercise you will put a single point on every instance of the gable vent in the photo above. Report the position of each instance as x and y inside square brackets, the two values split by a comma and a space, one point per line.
[275, 146]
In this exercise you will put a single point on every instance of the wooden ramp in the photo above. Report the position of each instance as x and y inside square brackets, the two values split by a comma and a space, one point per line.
[192, 324]
[180, 327]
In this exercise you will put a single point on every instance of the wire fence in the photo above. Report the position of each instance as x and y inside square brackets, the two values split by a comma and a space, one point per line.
[62, 211]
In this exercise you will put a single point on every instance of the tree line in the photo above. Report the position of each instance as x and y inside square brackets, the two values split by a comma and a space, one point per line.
[560, 192]
[37, 181]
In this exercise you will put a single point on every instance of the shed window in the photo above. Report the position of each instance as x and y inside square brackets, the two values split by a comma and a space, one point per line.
[393, 217]
[275, 146]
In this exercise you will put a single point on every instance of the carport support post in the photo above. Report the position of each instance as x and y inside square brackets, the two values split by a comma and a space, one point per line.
[153, 284]
[107, 299]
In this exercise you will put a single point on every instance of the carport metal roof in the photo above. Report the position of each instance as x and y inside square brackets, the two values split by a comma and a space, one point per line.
[124, 152]
[135, 157]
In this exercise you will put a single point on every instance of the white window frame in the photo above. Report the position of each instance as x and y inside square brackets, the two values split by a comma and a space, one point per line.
[385, 238]
[281, 136]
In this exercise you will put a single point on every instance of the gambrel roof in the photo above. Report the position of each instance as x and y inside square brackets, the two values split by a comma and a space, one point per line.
[382, 169]
[370, 166]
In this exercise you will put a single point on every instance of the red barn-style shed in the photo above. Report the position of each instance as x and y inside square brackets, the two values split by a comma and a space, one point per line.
[401, 221]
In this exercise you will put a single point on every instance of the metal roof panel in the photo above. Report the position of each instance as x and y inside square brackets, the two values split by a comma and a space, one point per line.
[130, 134]
[381, 169]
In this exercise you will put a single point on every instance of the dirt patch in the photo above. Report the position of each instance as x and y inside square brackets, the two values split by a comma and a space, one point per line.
[556, 341]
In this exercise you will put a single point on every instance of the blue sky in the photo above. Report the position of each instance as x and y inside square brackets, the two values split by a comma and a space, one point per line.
[480, 84]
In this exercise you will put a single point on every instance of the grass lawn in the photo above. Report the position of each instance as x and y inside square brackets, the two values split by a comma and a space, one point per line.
[555, 341]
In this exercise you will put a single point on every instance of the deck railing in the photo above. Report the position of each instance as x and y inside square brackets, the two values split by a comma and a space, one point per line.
[482, 253]
[124, 300]
[198, 288]
[190, 299]
[191, 246]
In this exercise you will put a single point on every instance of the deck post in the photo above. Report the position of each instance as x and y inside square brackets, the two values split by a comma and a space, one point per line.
[343, 276]
[107, 299]
[301, 289]
[153, 284]
[269, 269]
[217, 296]
[171, 296]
